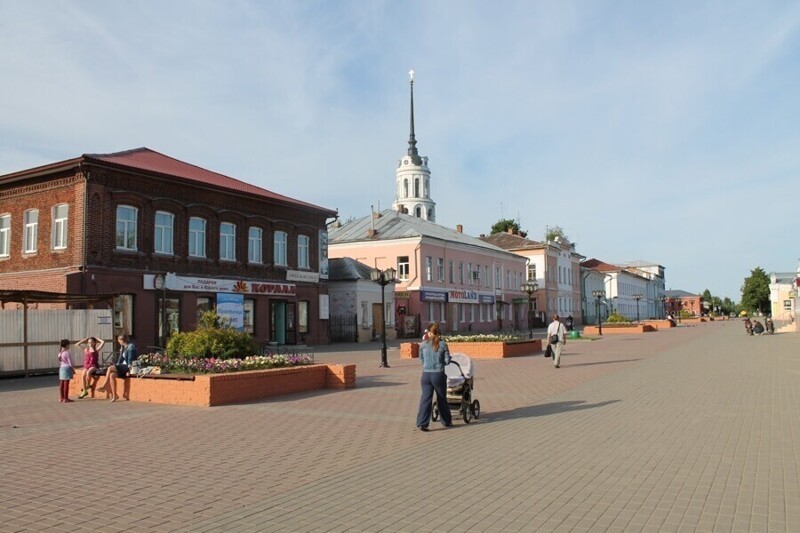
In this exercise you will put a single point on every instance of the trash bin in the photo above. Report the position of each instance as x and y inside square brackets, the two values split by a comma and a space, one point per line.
[574, 334]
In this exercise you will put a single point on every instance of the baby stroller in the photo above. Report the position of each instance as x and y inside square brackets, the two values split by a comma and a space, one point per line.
[460, 382]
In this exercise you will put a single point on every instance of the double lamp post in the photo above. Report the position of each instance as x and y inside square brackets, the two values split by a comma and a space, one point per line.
[530, 287]
[383, 278]
[598, 295]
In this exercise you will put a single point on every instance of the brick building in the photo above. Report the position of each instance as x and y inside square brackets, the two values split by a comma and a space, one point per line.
[123, 222]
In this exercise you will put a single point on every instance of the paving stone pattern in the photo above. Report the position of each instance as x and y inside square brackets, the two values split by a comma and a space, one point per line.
[690, 429]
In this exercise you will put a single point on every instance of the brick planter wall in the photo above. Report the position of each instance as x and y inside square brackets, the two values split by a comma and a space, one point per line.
[481, 350]
[659, 324]
[220, 389]
[619, 330]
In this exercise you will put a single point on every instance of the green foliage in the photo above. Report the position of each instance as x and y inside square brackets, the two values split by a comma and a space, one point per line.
[551, 232]
[213, 338]
[755, 291]
[616, 318]
[503, 225]
[685, 314]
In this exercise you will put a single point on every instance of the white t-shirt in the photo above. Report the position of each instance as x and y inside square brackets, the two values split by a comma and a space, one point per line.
[556, 328]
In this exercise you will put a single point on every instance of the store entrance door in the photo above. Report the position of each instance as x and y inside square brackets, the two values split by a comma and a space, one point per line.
[283, 327]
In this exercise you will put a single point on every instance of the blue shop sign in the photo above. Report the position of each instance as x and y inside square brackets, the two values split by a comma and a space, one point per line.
[486, 298]
[432, 296]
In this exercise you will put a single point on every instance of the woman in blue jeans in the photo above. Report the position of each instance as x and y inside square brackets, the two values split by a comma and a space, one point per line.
[434, 355]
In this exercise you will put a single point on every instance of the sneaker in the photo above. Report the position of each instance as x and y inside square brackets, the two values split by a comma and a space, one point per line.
[83, 394]
[423, 428]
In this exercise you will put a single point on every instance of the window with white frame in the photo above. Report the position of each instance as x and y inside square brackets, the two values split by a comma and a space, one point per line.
[472, 312]
[461, 272]
[486, 276]
[197, 237]
[227, 241]
[60, 219]
[431, 318]
[469, 274]
[279, 248]
[441, 311]
[31, 233]
[402, 268]
[428, 268]
[254, 245]
[303, 247]
[451, 268]
[498, 277]
[462, 312]
[164, 230]
[126, 227]
[5, 235]
[532, 272]
[480, 312]
[440, 269]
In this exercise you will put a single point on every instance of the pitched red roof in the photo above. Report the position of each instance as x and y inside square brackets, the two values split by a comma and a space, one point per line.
[146, 160]
[152, 161]
[600, 266]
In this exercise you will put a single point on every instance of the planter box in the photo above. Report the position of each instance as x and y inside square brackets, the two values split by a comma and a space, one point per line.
[619, 330]
[658, 324]
[481, 350]
[219, 389]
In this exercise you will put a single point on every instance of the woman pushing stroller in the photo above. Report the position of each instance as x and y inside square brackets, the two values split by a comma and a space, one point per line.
[434, 355]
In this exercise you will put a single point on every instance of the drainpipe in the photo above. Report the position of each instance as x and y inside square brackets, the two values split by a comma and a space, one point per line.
[85, 175]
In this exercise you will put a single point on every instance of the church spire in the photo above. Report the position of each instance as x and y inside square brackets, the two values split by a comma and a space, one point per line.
[412, 141]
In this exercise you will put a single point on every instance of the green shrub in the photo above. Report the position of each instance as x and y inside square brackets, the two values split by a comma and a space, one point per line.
[616, 318]
[213, 338]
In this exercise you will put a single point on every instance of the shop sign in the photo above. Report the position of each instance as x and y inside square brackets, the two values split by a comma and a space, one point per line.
[302, 275]
[404, 295]
[486, 299]
[192, 284]
[323, 255]
[432, 296]
[232, 306]
[519, 301]
[462, 296]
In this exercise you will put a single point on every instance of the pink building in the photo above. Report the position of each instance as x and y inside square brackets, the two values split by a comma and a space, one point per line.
[443, 275]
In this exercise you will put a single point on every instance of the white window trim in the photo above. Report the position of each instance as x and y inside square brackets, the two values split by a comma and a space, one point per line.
[198, 237]
[164, 231]
[255, 245]
[303, 251]
[281, 259]
[230, 242]
[5, 237]
[127, 223]
[30, 232]
[60, 228]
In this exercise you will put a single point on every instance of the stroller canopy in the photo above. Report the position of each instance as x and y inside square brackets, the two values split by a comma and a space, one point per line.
[454, 377]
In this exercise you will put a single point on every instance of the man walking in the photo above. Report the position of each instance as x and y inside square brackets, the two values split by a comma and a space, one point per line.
[556, 338]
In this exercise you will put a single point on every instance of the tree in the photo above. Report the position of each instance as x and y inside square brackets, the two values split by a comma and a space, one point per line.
[755, 291]
[504, 224]
[551, 232]
[707, 296]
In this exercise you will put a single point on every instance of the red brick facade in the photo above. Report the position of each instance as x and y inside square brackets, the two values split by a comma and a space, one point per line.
[92, 263]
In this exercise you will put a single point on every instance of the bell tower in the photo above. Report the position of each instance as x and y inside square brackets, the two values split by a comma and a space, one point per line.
[412, 177]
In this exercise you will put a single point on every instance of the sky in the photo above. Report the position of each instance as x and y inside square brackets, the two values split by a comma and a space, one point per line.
[656, 131]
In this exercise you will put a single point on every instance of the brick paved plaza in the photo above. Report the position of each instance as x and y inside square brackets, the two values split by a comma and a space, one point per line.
[691, 429]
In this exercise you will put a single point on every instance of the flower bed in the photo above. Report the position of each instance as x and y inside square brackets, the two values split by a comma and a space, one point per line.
[212, 365]
[482, 349]
[232, 387]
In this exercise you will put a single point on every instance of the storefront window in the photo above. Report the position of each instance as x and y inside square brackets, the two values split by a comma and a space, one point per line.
[173, 320]
[123, 315]
[203, 304]
[302, 316]
[249, 316]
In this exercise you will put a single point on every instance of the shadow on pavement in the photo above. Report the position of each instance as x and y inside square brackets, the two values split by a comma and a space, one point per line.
[34, 382]
[365, 382]
[543, 410]
[602, 362]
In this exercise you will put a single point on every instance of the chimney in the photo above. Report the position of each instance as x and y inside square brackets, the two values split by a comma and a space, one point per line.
[510, 231]
[483, 235]
[459, 228]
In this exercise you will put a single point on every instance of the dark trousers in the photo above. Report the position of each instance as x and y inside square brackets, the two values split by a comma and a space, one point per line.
[430, 382]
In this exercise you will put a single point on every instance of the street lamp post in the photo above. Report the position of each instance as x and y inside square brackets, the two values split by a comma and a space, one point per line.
[383, 278]
[530, 288]
[637, 297]
[664, 305]
[160, 282]
[598, 295]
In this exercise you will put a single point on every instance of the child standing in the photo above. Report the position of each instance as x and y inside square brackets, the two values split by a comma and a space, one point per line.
[65, 370]
[91, 362]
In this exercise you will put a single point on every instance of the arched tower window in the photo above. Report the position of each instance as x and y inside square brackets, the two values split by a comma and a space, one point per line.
[418, 212]
[416, 187]
[430, 214]
[427, 189]
[405, 188]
